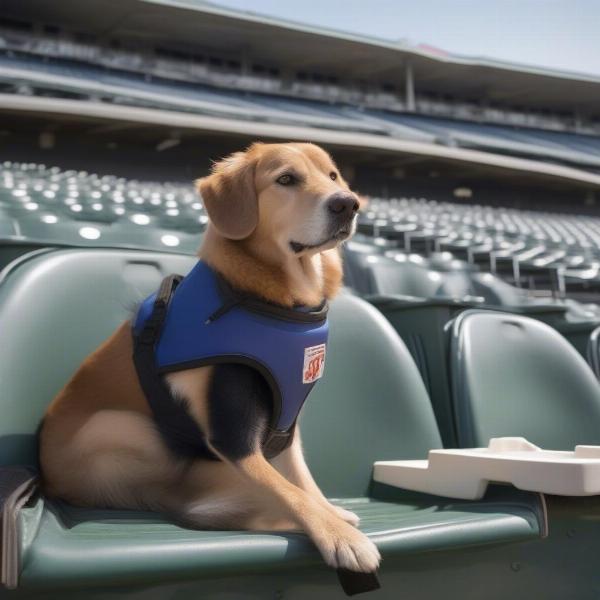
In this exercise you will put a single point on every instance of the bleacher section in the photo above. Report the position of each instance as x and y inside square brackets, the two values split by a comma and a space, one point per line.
[42, 206]
[424, 263]
[537, 253]
[445, 277]
[557, 252]
[87, 81]
[325, 69]
[410, 256]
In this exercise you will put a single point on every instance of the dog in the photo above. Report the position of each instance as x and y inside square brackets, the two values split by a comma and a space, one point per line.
[278, 213]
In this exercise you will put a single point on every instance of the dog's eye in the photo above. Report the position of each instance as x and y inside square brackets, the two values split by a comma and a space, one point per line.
[333, 175]
[286, 179]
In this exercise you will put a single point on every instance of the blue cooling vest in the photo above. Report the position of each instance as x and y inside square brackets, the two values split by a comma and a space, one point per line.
[200, 320]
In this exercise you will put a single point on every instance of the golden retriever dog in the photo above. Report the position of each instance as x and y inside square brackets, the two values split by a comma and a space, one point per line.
[277, 215]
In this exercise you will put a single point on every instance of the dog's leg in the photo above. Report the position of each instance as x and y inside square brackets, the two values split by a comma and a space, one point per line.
[234, 416]
[212, 495]
[291, 464]
[340, 544]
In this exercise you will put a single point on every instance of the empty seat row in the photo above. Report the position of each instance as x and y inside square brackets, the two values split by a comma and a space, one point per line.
[400, 283]
[41, 206]
[529, 248]
[52, 195]
[532, 250]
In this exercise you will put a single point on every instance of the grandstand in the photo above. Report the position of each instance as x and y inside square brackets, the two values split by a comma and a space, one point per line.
[482, 182]
[174, 85]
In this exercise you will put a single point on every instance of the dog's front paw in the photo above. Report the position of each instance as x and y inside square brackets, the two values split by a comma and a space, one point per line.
[345, 547]
[346, 515]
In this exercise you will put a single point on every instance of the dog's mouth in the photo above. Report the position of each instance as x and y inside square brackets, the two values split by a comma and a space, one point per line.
[340, 236]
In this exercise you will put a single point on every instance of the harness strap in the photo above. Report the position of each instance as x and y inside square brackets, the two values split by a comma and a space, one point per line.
[224, 308]
[180, 432]
[277, 441]
[17, 485]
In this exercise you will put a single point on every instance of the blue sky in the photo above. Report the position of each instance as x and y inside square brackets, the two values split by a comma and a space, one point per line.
[563, 34]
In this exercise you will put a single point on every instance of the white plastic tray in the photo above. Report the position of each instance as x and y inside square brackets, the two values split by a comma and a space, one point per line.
[466, 473]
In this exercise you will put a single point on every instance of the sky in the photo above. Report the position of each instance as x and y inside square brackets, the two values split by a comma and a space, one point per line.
[560, 34]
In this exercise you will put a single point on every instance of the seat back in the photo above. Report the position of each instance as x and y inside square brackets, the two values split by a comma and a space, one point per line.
[497, 292]
[370, 405]
[407, 278]
[57, 307]
[516, 376]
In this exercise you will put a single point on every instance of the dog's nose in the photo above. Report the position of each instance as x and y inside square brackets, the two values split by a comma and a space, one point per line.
[342, 205]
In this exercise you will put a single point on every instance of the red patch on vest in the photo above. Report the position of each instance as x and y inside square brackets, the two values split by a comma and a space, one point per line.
[314, 363]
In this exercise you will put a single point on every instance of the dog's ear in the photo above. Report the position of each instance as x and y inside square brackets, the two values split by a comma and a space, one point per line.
[229, 196]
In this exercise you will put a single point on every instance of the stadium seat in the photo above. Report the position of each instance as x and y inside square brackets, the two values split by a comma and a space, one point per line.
[49, 207]
[409, 279]
[372, 270]
[421, 324]
[556, 252]
[371, 392]
[515, 376]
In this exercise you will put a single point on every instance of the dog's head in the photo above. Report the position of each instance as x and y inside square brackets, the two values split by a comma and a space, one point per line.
[290, 198]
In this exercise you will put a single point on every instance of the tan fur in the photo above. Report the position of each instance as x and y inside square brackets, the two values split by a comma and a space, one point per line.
[98, 443]
[258, 262]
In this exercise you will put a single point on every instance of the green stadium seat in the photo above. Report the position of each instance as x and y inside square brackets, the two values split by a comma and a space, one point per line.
[421, 323]
[409, 279]
[34, 192]
[371, 405]
[515, 376]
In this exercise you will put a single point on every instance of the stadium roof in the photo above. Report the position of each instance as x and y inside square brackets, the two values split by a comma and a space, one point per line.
[299, 46]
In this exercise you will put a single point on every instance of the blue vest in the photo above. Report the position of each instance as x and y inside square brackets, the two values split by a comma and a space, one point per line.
[204, 321]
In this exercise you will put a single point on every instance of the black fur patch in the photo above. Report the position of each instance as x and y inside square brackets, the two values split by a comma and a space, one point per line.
[240, 405]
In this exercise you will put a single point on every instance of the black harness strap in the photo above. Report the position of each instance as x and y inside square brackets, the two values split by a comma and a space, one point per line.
[180, 432]
[277, 441]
